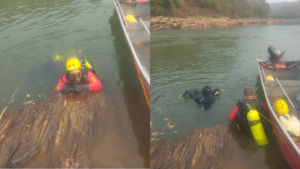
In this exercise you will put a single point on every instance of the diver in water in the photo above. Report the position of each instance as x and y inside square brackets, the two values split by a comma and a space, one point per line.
[79, 77]
[240, 111]
[203, 98]
[251, 116]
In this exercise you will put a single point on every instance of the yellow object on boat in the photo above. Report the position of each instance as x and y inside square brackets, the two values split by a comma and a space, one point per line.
[256, 127]
[290, 124]
[130, 18]
[281, 107]
[270, 78]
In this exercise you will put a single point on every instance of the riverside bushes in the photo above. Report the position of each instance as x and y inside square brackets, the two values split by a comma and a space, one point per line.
[231, 8]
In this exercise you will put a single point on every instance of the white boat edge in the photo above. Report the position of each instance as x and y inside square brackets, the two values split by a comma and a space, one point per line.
[144, 73]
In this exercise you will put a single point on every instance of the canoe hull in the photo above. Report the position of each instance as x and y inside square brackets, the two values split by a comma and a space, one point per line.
[141, 66]
[288, 152]
[142, 79]
[287, 146]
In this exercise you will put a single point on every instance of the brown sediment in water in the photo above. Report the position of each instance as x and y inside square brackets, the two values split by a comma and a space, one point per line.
[162, 22]
[60, 133]
[214, 147]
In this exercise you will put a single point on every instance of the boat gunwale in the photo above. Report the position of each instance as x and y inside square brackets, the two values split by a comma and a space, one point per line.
[142, 69]
[273, 112]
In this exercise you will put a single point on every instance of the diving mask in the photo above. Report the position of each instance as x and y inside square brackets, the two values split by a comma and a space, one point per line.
[74, 76]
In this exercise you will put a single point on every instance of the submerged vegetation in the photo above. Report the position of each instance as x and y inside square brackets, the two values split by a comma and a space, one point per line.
[231, 8]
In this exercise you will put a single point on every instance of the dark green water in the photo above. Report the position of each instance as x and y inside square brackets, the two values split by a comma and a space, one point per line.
[32, 32]
[223, 58]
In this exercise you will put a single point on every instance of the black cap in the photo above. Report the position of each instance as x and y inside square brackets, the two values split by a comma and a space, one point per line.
[206, 91]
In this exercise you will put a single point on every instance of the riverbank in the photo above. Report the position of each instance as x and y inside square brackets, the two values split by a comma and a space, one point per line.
[162, 22]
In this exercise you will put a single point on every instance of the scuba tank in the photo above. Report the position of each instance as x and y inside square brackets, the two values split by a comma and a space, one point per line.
[84, 70]
[256, 128]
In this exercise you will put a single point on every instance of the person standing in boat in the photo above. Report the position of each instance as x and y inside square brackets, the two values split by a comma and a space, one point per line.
[241, 110]
[79, 77]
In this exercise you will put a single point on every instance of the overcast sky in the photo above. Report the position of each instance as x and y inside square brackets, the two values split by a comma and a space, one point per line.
[272, 1]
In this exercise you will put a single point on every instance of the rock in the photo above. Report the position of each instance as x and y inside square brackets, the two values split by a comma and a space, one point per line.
[59, 133]
[220, 147]
[23, 153]
[213, 25]
[160, 22]
[202, 147]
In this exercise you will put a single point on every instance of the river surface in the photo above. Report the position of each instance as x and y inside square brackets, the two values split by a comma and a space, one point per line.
[33, 32]
[223, 58]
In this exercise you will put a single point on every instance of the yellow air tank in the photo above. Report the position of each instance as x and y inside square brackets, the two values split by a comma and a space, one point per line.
[256, 127]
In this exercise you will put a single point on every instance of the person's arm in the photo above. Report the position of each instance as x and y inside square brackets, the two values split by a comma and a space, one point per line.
[94, 83]
[60, 85]
[265, 106]
[215, 92]
[233, 113]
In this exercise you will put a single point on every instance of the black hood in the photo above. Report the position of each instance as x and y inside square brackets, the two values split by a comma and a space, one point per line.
[206, 91]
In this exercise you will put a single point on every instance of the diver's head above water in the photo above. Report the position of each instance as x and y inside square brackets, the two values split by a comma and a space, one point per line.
[206, 91]
[249, 94]
[74, 70]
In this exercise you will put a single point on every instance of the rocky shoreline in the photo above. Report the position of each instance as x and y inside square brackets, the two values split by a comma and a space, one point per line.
[162, 22]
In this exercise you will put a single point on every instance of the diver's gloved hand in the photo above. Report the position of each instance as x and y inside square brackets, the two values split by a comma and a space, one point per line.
[215, 92]
[82, 87]
[63, 90]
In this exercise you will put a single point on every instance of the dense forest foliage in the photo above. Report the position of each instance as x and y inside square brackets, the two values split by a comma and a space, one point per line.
[231, 8]
[285, 10]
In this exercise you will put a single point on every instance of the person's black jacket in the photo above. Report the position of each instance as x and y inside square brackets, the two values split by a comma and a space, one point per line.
[198, 97]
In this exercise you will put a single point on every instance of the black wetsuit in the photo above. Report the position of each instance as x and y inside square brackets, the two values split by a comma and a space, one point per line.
[244, 108]
[198, 97]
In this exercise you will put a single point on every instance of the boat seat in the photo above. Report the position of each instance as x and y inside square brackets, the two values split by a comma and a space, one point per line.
[146, 42]
[135, 26]
[284, 83]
